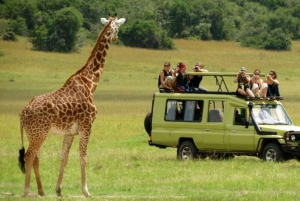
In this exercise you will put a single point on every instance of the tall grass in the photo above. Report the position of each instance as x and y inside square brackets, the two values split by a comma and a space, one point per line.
[121, 165]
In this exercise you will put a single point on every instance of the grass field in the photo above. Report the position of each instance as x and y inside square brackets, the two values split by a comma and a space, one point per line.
[121, 165]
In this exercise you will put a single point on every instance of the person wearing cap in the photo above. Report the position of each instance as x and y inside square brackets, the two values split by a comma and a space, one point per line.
[195, 80]
[243, 81]
[165, 79]
[182, 79]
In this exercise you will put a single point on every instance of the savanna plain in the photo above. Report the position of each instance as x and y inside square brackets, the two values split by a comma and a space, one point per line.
[121, 164]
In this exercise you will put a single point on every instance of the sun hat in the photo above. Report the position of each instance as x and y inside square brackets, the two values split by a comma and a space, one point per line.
[243, 69]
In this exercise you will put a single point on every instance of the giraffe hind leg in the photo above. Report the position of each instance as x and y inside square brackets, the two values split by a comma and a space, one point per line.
[36, 165]
[31, 160]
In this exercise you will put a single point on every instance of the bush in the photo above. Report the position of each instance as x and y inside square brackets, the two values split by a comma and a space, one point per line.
[9, 35]
[59, 34]
[145, 34]
[264, 39]
[19, 26]
[6, 30]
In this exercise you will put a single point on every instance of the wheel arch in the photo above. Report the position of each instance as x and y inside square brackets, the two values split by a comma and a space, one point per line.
[182, 139]
[263, 142]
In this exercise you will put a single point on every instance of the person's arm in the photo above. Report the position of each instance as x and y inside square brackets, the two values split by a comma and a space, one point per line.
[203, 70]
[236, 78]
[162, 80]
[276, 81]
[192, 76]
[248, 78]
[260, 83]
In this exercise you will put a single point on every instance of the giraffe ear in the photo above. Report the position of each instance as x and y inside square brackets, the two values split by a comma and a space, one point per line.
[120, 21]
[104, 21]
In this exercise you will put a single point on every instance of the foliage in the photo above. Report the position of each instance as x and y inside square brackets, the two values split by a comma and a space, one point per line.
[60, 33]
[147, 33]
[264, 39]
[6, 30]
[192, 19]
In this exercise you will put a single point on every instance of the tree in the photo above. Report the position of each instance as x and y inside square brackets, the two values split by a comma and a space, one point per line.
[145, 34]
[60, 33]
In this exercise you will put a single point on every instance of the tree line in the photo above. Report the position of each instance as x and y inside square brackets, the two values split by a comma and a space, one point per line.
[64, 25]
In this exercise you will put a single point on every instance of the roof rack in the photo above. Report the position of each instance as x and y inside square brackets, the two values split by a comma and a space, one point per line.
[219, 76]
[270, 98]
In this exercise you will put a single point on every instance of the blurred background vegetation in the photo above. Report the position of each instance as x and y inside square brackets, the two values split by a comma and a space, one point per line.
[64, 25]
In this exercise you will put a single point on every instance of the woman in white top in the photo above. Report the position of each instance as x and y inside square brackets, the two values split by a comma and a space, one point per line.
[257, 84]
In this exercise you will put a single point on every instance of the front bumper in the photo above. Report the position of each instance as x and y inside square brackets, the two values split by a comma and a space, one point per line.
[291, 149]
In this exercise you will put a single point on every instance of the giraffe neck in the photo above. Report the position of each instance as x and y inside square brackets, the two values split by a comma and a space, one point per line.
[91, 72]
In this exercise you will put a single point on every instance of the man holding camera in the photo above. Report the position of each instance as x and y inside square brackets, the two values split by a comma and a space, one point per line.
[243, 81]
[195, 80]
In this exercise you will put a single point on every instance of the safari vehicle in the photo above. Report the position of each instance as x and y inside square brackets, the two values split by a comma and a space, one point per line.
[221, 124]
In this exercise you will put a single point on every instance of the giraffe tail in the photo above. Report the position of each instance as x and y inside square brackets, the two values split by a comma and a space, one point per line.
[22, 150]
[21, 159]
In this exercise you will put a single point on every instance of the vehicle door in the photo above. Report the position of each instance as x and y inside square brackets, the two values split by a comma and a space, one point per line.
[240, 137]
[214, 131]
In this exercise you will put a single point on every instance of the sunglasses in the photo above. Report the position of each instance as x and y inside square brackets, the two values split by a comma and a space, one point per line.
[256, 73]
[166, 65]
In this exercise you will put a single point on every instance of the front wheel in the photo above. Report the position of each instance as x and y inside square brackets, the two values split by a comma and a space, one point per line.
[187, 150]
[273, 152]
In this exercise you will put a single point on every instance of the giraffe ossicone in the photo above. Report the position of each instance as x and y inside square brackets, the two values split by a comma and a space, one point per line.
[68, 111]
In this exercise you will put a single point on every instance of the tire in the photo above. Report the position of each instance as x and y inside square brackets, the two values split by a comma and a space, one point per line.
[187, 150]
[148, 123]
[273, 153]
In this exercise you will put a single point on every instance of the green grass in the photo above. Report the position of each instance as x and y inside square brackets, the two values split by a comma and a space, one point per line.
[121, 165]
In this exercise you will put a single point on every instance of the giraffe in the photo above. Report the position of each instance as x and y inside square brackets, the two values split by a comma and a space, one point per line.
[68, 111]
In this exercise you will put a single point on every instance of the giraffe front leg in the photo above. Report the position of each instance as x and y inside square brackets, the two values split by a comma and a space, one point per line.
[67, 143]
[83, 161]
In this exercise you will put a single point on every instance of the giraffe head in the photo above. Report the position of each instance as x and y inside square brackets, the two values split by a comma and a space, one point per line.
[114, 24]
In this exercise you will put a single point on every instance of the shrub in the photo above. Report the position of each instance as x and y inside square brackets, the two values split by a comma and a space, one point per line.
[59, 34]
[145, 34]
[264, 39]
[6, 30]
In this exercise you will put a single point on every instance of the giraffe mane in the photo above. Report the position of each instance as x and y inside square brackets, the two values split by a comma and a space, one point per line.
[92, 55]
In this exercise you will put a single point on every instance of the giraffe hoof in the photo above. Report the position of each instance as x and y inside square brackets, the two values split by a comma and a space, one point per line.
[30, 195]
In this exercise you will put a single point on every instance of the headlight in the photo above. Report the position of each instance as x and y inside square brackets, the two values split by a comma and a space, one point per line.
[293, 137]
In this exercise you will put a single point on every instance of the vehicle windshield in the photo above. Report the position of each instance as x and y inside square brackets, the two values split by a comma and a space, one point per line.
[270, 115]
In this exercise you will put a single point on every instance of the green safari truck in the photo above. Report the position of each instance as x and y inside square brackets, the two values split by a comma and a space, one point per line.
[221, 124]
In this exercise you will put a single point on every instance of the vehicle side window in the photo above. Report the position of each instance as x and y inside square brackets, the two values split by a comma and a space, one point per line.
[215, 112]
[171, 110]
[239, 116]
[184, 110]
[189, 110]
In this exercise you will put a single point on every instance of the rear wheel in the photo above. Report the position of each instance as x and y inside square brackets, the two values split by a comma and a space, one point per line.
[273, 152]
[187, 150]
[148, 123]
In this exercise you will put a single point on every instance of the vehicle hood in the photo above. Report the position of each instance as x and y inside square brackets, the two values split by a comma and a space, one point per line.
[283, 128]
